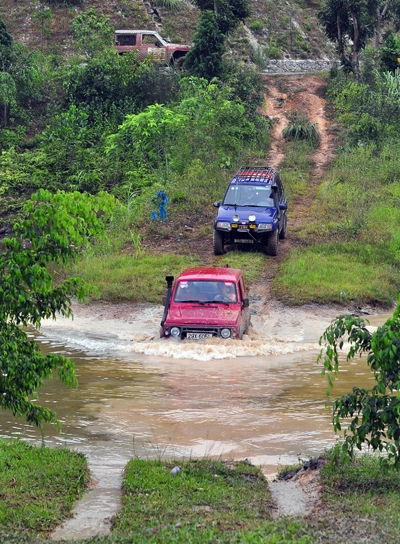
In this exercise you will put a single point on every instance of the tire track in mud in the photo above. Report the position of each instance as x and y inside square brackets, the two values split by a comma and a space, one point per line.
[283, 95]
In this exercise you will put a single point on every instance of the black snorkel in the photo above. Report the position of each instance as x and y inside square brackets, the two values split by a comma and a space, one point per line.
[169, 280]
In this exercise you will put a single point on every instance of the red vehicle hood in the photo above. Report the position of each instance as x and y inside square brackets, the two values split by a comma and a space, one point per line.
[220, 315]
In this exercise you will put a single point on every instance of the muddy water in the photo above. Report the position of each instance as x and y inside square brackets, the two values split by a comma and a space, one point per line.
[262, 399]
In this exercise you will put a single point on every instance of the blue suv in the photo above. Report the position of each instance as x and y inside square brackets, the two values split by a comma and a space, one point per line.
[253, 211]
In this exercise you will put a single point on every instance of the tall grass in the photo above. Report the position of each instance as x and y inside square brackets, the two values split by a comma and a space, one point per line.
[300, 128]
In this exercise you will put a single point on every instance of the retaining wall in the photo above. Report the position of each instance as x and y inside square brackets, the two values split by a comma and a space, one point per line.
[298, 66]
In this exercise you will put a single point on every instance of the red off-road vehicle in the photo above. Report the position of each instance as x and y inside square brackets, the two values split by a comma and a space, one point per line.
[149, 44]
[206, 302]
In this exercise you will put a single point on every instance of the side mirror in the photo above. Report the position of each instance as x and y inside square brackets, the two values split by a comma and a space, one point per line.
[282, 206]
[217, 204]
[245, 303]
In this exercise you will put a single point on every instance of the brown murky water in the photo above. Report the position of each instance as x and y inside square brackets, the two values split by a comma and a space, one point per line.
[262, 399]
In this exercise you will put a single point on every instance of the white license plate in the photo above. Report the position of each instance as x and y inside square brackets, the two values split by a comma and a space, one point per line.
[243, 229]
[243, 241]
[198, 335]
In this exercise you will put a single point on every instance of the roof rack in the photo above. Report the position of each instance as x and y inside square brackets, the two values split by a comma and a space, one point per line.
[263, 174]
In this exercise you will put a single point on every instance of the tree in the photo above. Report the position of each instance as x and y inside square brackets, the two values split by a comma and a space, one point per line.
[147, 138]
[349, 23]
[7, 95]
[228, 13]
[54, 229]
[92, 33]
[205, 57]
[374, 413]
[390, 52]
[6, 46]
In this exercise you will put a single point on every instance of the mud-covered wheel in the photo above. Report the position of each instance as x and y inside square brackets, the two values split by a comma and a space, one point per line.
[272, 246]
[283, 232]
[178, 62]
[218, 243]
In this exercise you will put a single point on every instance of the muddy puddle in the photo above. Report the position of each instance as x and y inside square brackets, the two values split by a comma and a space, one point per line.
[262, 399]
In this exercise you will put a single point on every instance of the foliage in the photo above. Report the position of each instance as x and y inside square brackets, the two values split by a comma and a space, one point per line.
[107, 88]
[166, 141]
[370, 112]
[54, 229]
[349, 23]
[148, 136]
[6, 46]
[39, 486]
[228, 14]
[246, 88]
[205, 57]
[299, 128]
[92, 33]
[374, 413]
[390, 52]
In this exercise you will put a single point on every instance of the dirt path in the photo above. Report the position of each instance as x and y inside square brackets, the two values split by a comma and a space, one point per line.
[300, 495]
[300, 93]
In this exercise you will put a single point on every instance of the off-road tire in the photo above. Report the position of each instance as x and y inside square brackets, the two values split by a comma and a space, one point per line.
[273, 242]
[283, 232]
[178, 62]
[218, 243]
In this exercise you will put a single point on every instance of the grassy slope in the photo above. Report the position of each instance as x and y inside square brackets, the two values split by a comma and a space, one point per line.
[270, 22]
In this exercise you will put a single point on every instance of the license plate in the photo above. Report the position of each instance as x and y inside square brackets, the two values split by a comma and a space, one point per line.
[198, 335]
[243, 229]
[243, 241]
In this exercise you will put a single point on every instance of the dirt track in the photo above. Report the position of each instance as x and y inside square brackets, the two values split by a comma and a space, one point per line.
[284, 95]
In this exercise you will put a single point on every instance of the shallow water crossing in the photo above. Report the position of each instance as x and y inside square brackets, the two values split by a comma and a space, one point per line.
[262, 399]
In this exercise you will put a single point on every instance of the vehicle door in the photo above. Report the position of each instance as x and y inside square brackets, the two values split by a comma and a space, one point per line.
[282, 200]
[245, 313]
[153, 48]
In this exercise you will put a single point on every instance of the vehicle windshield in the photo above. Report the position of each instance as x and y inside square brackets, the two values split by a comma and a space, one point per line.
[206, 291]
[248, 195]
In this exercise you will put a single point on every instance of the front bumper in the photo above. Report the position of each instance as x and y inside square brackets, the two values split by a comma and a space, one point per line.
[198, 331]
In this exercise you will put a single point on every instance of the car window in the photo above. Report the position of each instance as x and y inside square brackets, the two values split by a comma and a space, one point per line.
[248, 195]
[206, 291]
[149, 39]
[126, 39]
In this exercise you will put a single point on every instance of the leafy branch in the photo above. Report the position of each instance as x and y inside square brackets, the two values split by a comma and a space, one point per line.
[374, 413]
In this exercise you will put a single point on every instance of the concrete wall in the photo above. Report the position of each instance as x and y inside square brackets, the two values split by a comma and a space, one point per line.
[298, 66]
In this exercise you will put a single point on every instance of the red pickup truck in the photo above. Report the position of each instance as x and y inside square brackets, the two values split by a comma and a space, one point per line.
[206, 302]
[149, 44]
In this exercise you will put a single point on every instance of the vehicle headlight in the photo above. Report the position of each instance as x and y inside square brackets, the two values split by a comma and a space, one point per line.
[225, 333]
[175, 332]
[265, 226]
[224, 225]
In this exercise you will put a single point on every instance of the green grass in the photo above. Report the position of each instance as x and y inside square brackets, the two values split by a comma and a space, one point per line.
[123, 277]
[335, 274]
[362, 498]
[38, 486]
[251, 263]
[296, 169]
[208, 501]
[120, 277]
